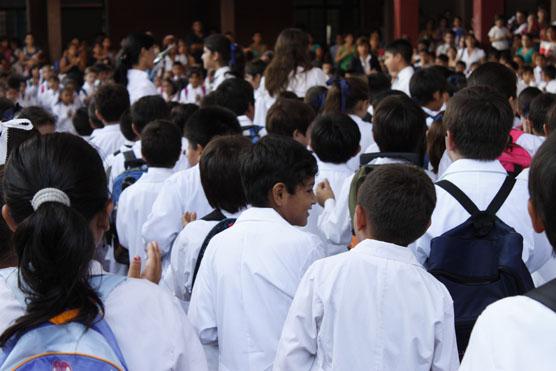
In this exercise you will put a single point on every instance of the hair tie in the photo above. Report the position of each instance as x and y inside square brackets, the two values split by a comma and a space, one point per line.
[49, 195]
[321, 98]
[233, 49]
[344, 91]
[6, 129]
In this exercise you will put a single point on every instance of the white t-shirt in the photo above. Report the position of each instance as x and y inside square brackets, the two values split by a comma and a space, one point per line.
[499, 32]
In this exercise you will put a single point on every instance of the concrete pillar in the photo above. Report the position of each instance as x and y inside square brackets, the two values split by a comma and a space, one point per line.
[406, 19]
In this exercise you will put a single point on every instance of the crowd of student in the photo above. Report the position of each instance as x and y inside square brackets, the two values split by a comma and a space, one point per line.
[381, 214]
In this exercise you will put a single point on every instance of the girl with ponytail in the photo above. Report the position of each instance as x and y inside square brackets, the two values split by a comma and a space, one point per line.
[290, 70]
[134, 59]
[351, 96]
[223, 59]
[58, 206]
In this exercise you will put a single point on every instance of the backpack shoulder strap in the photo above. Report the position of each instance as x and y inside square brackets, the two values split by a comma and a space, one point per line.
[460, 197]
[129, 156]
[501, 196]
[219, 227]
[214, 216]
[545, 294]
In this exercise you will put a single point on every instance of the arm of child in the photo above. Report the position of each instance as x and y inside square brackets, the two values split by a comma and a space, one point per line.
[334, 221]
[297, 348]
[445, 348]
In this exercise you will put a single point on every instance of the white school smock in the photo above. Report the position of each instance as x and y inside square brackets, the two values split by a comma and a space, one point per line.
[118, 163]
[372, 308]
[476, 55]
[298, 84]
[245, 121]
[189, 94]
[531, 143]
[480, 181]
[401, 82]
[180, 193]
[64, 115]
[336, 175]
[432, 114]
[107, 140]
[139, 85]
[220, 75]
[150, 327]
[245, 285]
[512, 334]
[135, 205]
[367, 139]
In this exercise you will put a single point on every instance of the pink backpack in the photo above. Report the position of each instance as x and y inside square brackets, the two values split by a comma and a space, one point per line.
[515, 158]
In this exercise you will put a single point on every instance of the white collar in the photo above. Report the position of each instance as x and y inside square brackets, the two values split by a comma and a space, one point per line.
[221, 72]
[385, 250]
[474, 166]
[405, 73]
[262, 214]
[244, 120]
[135, 73]
[329, 166]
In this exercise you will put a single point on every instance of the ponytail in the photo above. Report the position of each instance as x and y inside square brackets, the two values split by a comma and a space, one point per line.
[230, 53]
[344, 94]
[54, 185]
[129, 54]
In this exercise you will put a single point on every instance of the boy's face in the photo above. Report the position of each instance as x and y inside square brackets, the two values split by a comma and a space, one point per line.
[255, 81]
[449, 38]
[295, 207]
[91, 77]
[392, 62]
[195, 80]
[363, 49]
[67, 97]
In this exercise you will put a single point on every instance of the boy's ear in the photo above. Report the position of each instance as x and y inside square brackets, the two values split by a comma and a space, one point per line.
[538, 225]
[99, 116]
[450, 144]
[300, 137]
[8, 218]
[359, 219]
[278, 194]
[136, 130]
[546, 130]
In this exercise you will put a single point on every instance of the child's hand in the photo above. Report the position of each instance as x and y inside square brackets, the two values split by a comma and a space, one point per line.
[188, 217]
[324, 192]
[153, 267]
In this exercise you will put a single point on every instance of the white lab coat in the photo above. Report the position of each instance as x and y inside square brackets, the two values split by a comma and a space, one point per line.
[515, 333]
[367, 140]
[180, 193]
[401, 82]
[64, 115]
[139, 85]
[189, 94]
[298, 85]
[480, 181]
[245, 286]
[336, 175]
[531, 143]
[150, 327]
[134, 206]
[220, 75]
[107, 140]
[372, 308]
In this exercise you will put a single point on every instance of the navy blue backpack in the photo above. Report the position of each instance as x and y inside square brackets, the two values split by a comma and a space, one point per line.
[478, 261]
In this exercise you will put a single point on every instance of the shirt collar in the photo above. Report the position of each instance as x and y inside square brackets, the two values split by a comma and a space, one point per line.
[405, 73]
[474, 166]
[134, 73]
[385, 250]
[221, 72]
[159, 172]
[244, 121]
[328, 166]
[265, 214]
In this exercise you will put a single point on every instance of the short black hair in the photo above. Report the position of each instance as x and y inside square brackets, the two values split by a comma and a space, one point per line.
[542, 183]
[275, 159]
[81, 123]
[335, 137]
[315, 97]
[255, 68]
[378, 83]
[234, 94]
[538, 110]
[288, 115]
[38, 116]
[549, 71]
[161, 143]
[181, 112]
[220, 177]
[424, 83]
[147, 109]
[497, 76]
[208, 123]
[479, 119]
[525, 97]
[398, 201]
[401, 47]
[399, 125]
[111, 100]
[126, 126]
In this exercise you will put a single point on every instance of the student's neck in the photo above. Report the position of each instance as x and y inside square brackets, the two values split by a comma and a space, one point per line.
[433, 106]
[402, 67]
[139, 66]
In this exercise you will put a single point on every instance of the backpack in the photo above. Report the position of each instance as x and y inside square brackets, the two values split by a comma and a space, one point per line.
[478, 261]
[252, 132]
[67, 345]
[515, 158]
[365, 169]
[134, 169]
[223, 224]
[545, 294]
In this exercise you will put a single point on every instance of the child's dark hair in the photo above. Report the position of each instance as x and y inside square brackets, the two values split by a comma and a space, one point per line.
[424, 83]
[230, 53]
[456, 82]
[344, 94]
[181, 113]
[401, 47]
[126, 126]
[255, 68]
[497, 76]
[542, 182]
[129, 54]
[161, 144]
[288, 115]
[7, 253]
[234, 94]
[147, 109]
[398, 201]
[54, 244]
[315, 97]
[549, 71]
[219, 166]
[208, 123]
[378, 83]
[38, 116]
[93, 119]
[436, 144]
[479, 119]
[81, 122]
[335, 137]
[538, 110]
[399, 125]
[111, 100]
[275, 159]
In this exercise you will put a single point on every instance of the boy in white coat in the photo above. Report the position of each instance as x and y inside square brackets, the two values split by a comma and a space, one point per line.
[375, 307]
[249, 273]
